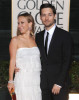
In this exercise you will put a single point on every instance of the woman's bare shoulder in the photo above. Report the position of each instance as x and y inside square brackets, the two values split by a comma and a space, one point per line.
[13, 41]
[14, 38]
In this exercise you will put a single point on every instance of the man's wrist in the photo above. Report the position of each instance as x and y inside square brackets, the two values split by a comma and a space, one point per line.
[58, 85]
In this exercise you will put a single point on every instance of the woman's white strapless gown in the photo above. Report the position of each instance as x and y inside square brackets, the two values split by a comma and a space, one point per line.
[27, 80]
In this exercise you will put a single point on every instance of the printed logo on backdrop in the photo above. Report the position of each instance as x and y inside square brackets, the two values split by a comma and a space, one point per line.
[33, 6]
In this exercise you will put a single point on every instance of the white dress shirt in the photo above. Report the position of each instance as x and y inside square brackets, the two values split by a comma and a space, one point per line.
[51, 31]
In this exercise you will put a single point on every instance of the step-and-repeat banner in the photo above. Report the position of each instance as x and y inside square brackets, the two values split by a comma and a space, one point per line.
[33, 6]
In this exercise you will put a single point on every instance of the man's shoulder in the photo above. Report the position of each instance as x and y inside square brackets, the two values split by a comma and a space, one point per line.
[62, 31]
[63, 34]
[40, 33]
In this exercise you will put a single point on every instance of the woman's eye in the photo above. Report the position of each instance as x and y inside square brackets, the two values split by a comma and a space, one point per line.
[22, 22]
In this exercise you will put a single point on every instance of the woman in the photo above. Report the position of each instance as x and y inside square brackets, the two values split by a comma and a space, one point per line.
[25, 55]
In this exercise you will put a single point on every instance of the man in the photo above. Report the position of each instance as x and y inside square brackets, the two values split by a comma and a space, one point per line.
[55, 47]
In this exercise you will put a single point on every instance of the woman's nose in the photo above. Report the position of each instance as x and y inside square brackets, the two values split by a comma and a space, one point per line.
[19, 25]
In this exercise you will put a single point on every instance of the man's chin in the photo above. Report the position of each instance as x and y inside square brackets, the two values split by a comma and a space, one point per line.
[48, 25]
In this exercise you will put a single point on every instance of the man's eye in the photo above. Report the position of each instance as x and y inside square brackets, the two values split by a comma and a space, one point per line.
[50, 14]
[43, 15]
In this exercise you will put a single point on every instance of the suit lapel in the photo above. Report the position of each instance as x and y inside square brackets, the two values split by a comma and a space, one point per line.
[42, 44]
[52, 40]
[51, 43]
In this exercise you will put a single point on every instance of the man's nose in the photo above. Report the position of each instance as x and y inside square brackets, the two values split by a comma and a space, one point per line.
[47, 17]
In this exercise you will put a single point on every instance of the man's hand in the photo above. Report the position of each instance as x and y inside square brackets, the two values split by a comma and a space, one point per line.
[56, 89]
[16, 70]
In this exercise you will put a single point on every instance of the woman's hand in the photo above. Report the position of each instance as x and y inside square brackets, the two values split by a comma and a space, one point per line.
[16, 70]
[10, 86]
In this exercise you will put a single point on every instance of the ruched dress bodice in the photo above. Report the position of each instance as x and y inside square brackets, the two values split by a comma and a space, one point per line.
[27, 80]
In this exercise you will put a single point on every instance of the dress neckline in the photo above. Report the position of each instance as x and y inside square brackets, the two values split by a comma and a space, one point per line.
[27, 48]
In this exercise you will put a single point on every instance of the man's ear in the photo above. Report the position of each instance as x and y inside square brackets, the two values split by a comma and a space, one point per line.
[55, 17]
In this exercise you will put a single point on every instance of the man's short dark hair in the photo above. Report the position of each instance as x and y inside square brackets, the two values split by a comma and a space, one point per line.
[48, 5]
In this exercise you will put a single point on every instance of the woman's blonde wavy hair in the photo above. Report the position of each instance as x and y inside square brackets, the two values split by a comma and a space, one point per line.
[29, 19]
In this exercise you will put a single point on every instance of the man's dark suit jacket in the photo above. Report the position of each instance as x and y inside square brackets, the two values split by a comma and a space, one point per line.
[56, 65]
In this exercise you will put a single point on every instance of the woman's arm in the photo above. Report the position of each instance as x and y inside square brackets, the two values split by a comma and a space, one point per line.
[12, 51]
